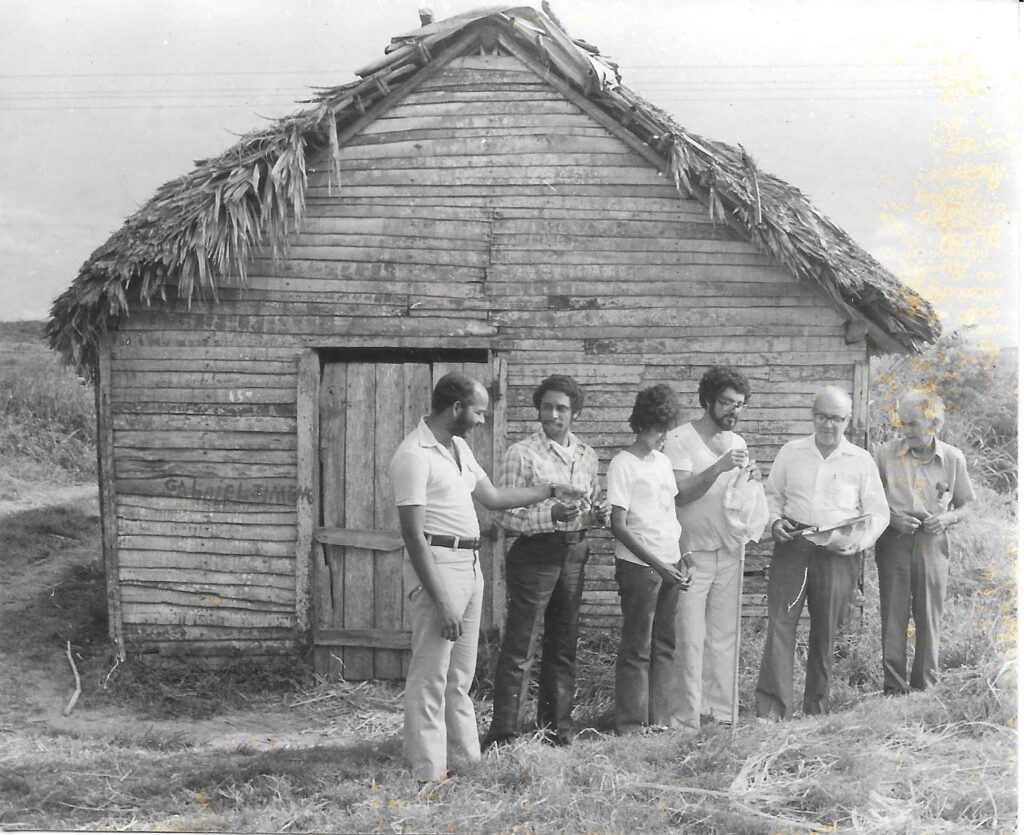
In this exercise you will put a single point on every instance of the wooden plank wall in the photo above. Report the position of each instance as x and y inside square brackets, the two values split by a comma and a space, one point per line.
[485, 210]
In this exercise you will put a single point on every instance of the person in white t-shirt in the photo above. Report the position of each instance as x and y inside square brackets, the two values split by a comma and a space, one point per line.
[641, 492]
[707, 455]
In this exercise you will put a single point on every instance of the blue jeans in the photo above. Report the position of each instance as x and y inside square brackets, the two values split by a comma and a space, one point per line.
[544, 581]
[645, 691]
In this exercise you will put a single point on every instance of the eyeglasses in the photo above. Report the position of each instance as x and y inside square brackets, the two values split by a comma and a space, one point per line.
[835, 420]
[734, 405]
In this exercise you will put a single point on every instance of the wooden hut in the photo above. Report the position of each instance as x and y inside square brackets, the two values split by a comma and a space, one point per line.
[488, 195]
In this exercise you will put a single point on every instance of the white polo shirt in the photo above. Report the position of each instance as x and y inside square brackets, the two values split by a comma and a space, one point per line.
[424, 473]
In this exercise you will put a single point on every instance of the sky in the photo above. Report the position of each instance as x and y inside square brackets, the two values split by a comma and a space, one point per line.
[900, 119]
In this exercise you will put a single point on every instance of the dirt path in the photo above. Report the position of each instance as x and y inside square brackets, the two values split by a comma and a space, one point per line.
[48, 495]
[53, 591]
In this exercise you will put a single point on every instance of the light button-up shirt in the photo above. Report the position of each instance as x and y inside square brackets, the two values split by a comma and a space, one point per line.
[922, 484]
[806, 487]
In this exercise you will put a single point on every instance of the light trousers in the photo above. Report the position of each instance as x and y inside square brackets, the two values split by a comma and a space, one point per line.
[706, 639]
[440, 723]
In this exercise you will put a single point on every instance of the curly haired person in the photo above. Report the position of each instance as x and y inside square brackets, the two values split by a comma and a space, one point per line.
[641, 492]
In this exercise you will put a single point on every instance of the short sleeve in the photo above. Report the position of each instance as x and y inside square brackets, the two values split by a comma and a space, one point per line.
[409, 473]
[963, 490]
[618, 482]
[677, 451]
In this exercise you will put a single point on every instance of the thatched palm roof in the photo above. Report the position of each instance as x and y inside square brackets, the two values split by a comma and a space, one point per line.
[200, 229]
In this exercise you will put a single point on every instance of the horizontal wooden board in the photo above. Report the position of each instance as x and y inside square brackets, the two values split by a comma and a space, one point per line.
[200, 421]
[189, 560]
[495, 177]
[204, 441]
[208, 634]
[164, 455]
[203, 545]
[377, 638]
[208, 327]
[161, 613]
[240, 532]
[129, 468]
[207, 578]
[257, 653]
[253, 599]
[241, 489]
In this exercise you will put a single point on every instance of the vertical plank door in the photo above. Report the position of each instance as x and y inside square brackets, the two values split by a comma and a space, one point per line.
[361, 626]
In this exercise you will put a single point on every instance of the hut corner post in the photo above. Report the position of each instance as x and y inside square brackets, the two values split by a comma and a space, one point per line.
[107, 493]
[308, 501]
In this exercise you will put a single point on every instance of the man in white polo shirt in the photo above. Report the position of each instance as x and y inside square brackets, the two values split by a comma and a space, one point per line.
[435, 479]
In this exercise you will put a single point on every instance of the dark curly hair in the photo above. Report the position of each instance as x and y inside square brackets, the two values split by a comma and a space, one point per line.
[656, 407]
[564, 384]
[717, 379]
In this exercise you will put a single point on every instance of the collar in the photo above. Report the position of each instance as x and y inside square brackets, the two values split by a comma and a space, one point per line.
[426, 438]
[566, 452]
[845, 447]
[937, 451]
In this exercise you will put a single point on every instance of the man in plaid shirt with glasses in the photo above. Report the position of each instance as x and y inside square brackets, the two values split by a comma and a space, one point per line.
[544, 567]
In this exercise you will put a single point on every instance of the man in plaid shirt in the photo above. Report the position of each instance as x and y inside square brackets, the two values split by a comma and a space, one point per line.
[544, 567]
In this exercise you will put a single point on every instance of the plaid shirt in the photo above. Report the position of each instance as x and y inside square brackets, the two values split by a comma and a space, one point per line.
[538, 460]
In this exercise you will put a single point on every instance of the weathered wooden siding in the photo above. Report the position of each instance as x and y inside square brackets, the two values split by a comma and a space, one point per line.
[485, 210]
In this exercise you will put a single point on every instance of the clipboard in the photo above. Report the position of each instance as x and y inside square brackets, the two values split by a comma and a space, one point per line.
[845, 523]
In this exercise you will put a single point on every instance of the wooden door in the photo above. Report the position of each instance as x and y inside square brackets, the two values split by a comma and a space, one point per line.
[361, 628]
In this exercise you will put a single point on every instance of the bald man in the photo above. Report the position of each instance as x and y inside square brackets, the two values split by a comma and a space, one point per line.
[815, 482]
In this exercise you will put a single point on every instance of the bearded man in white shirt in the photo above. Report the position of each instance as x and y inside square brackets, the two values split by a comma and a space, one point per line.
[815, 482]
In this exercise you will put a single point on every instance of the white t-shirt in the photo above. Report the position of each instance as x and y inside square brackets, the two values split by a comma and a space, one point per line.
[646, 490]
[702, 520]
[424, 473]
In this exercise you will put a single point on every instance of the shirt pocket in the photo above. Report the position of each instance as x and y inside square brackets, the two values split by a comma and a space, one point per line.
[844, 494]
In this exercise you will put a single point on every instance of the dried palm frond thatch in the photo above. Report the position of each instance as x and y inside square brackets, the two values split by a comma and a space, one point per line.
[199, 230]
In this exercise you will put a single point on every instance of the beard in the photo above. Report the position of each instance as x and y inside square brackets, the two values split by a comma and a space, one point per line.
[463, 424]
[724, 422]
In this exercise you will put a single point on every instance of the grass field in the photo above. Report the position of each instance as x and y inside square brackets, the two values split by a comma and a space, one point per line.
[245, 749]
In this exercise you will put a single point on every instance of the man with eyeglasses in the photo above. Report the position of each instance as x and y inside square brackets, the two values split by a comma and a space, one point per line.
[815, 482]
[928, 489]
[706, 455]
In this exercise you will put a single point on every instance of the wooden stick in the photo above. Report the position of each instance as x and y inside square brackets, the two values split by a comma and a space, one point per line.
[78, 684]
[736, 653]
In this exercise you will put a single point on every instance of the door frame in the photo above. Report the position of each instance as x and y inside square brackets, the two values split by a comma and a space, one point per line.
[311, 574]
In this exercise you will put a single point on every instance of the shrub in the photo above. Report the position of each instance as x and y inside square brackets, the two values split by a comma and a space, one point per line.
[47, 414]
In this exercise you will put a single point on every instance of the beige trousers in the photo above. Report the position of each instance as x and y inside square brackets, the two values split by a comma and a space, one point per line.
[440, 723]
[706, 619]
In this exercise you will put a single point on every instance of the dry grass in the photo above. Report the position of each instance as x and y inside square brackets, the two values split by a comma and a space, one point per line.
[47, 415]
[942, 761]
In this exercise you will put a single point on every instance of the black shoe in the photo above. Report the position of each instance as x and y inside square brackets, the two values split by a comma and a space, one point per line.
[495, 742]
[556, 740]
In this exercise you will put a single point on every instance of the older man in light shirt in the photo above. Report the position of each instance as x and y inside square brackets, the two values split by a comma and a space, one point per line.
[815, 483]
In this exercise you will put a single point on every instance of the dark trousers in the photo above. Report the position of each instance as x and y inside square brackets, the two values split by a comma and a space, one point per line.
[645, 691]
[544, 581]
[802, 571]
[912, 572]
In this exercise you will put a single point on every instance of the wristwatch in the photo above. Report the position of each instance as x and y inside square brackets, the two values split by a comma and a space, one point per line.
[551, 487]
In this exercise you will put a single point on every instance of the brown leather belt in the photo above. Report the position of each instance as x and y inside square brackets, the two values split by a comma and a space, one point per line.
[453, 542]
